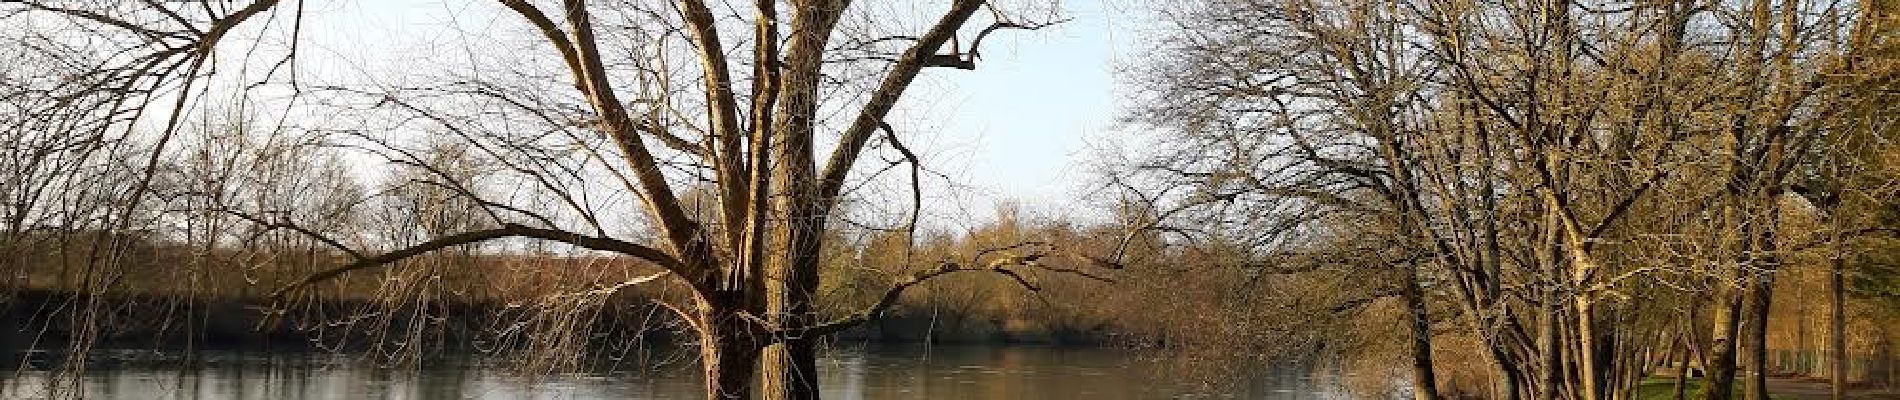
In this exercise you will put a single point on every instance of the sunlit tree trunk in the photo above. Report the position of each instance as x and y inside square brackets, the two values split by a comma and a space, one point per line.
[1720, 381]
[789, 369]
[1588, 365]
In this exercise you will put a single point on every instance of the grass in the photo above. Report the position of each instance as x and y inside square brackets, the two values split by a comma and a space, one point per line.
[1665, 389]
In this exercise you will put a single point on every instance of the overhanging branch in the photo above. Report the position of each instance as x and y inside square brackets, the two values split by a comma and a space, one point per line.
[649, 254]
[1007, 264]
[897, 290]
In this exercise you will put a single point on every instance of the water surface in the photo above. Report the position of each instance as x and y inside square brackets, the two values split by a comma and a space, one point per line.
[882, 372]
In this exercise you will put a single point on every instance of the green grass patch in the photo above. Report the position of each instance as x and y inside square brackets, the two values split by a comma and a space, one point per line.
[1665, 389]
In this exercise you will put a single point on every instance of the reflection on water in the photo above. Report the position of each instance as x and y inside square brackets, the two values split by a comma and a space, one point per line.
[911, 372]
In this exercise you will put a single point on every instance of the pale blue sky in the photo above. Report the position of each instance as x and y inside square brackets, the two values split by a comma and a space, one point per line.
[1026, 115]
[1015, 129]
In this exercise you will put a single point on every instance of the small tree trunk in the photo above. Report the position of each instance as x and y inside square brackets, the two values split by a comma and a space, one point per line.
[1513, 387]
[1588, 365]
[1550, 343]
[1567, 339]
[1682, 371]
[1760, 301]
[1757, 336]
[1424, 380]
[1720, 382]
[1837, 331]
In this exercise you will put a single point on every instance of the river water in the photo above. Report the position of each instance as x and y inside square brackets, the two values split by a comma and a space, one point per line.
[882, 372]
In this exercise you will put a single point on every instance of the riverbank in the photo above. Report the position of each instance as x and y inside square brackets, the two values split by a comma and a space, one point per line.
[1779, 388]
[50, 320]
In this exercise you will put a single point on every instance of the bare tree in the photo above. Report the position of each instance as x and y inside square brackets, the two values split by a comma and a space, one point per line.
[653, 98]
[1529, 154]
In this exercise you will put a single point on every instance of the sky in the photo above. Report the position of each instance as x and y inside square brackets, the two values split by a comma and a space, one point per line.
[1024, 124]
[1020, 129]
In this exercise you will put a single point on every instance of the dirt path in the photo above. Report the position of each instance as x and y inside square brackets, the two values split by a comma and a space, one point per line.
[1807, 389]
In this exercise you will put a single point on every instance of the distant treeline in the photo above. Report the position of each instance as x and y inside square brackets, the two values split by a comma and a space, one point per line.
[144, 290]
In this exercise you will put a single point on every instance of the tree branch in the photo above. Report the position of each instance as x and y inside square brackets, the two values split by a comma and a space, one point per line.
[649, 254]
[294, 227]
[1623, 207]
[686, 236]
[897, 290]
[723, 109]
[1003, 264]
[885, 97]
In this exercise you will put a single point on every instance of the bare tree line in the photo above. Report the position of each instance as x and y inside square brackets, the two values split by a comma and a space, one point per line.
[1548, 174]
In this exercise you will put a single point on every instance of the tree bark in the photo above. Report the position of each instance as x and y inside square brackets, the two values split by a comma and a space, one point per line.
[1757, 336]
[1552, 347]
[1837, 329]
[1591, 374]
[1425, 382]
[1761, 299]
[793, 364]
[789, 367]
[728, 352]
[1720, 382]
[1682, 370]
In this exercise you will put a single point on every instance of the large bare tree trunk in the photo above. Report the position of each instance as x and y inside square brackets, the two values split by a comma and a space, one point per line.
[793, 364]
[728, 351]
[790, 366]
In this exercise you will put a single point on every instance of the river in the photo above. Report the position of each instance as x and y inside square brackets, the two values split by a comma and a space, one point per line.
[880, 372]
